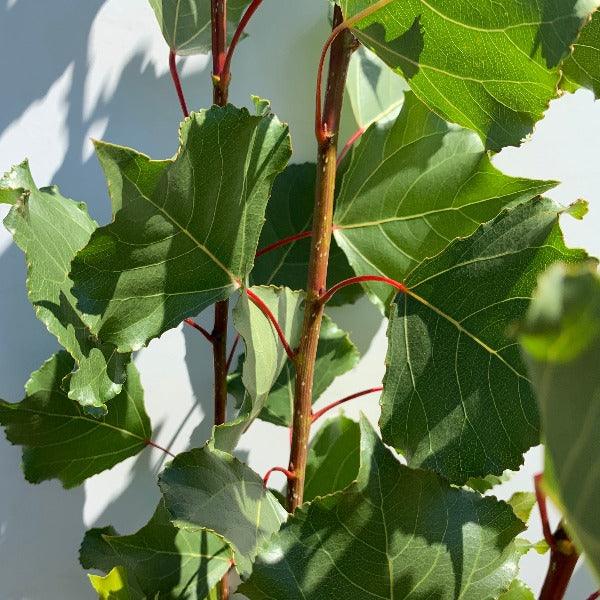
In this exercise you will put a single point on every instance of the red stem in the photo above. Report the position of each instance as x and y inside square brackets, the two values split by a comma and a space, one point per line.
[225, 71]
[355, 136]
[320, 413]
[359, 279]
[268, 474]
[283, 242]
[594, 596]
[155, 445]
[541, 501]
[236, 341]
[267, 312]
[177, 83]
[199, 328]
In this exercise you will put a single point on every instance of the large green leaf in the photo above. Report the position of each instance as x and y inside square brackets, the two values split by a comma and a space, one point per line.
[562, 341]
[63, 442]
[185, 24]
[160, 560]
[582, 68]
[375, 90]
[207, 488]
[412, 186]
[187, 230]
[456, 397]
[336, 355]
[492, 66]
[265, 357]
[50, 229]
[290, 211]
[333, 458]
[395, 533]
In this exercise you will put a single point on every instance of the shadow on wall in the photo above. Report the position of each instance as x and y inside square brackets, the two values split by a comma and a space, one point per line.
[41, 527]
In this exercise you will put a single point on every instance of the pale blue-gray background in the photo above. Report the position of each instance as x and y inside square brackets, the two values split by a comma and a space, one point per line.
[75, 69]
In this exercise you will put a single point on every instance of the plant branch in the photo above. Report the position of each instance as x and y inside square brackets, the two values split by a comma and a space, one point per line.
[563, 559]
[267, 312]
[199, 328]
[155, 445]
[272, 470]
[594, 596]
[540, 497]
[177, 83]
[219, 50]
[325, 297]
[318, 414]
[283, 242]
[342, 44]
[225, 73]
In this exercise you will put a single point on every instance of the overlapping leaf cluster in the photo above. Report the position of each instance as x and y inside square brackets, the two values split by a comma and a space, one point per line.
[418, 201]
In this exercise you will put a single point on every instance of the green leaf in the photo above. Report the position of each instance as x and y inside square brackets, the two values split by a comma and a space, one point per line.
[185, 24]
[160, 560]
[484, 484]
[265, 357]
[582, 68]
[492, 66]
[522, 504]
[112, 587]
[336, 355]
[517, 591]
[63, 442]
[394, 532]
[290, 211]
[187, 230]
[211, 489]
[375, 90]
[50, 229]
[333, 458]
[412, 186]
[562, 340]
[456, 397]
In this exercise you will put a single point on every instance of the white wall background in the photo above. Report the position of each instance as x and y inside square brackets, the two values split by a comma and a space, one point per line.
[75, 69]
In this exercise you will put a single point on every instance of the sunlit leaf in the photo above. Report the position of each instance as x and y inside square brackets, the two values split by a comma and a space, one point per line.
[60, 441]
[395, 533]
[582, 68]
[457, 398]
[50, 229]
[489, 66]
[187, 230]
[160, 560]
[412, 186]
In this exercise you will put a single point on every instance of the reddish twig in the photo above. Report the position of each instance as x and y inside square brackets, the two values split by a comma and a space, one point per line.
[355, 136]
[237, 36]
[155, 445]
[360, 279]
[541, 502]
[316, 415]
[594, 596]
[267, 312]
[321, 129]
[563, 560]
[283, 242]
[236, 341]
[268, 474]
[177, 83]
[199, 328]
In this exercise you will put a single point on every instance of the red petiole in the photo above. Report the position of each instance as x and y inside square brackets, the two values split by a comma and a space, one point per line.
[177, 83]
[361, 279]
[541, 501]
[272, 470]
[318, 414]
[199, 328]
[155, 445]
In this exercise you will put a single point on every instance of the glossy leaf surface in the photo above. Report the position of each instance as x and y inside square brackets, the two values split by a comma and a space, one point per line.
[187, 229]
[457, 398]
